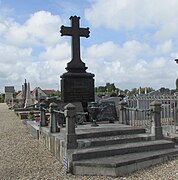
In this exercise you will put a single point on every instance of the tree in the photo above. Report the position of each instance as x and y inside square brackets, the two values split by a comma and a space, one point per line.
[134, 91]
[2, 97]
[110, 87]
[101, 89]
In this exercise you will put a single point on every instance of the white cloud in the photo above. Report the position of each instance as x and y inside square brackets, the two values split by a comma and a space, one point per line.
[13, 63]
[2, 28]
[168, 30]
[11, 54]
[44, 25]
[121, 65]
[42, 28]
[104, 50]
[131, 14]
[60, 51]
[20, 41]
[164, 48]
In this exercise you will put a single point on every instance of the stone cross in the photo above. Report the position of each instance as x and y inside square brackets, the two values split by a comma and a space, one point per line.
[76, 32]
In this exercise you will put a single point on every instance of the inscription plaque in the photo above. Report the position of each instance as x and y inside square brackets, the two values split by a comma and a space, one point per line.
[77, 89]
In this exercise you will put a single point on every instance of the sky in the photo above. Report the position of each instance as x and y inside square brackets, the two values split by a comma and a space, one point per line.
[132, 43]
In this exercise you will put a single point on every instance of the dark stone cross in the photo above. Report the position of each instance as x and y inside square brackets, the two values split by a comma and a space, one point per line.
[77, 85]
[76, 64]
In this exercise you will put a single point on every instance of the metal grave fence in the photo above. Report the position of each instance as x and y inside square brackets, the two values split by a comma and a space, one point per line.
[138, 112]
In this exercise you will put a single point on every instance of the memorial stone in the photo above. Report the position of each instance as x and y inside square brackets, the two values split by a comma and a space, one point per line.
[77, 85]
[28, 101]
[108, 111]
[24, 90]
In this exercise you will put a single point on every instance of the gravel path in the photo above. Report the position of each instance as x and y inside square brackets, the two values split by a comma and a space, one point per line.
[23, 157]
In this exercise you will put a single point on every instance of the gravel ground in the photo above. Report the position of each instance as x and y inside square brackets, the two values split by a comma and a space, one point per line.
[23, 157]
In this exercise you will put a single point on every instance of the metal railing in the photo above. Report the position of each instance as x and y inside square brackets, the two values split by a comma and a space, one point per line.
[169, 118]
[138, 117]
[79, 116]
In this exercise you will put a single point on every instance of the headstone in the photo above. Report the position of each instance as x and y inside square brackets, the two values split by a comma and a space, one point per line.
[139, 90]
[28, 101]
[107, 111]
[9, 93]
[24, 90]
[77, 85]
[115, 100]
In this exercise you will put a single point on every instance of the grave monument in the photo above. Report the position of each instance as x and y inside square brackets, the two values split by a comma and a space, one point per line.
[28, 100]
[24, 93]
[77, 85]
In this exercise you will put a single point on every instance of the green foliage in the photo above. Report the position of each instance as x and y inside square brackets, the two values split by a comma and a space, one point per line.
[134, 91]
[31, 115]
[149, 89]
[2, 97]
[108, 89]
[101, 89]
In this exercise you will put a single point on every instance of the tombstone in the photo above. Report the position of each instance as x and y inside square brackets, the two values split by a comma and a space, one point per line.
[77, 85]
[9, 93]
[139, 90]
[107, 112]
[24, 90]
[28, 101]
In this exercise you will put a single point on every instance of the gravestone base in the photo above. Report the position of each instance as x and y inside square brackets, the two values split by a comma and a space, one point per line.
[28, 102]
[77, 87]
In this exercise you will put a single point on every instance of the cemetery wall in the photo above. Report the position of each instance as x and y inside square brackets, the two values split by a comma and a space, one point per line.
[53, 142]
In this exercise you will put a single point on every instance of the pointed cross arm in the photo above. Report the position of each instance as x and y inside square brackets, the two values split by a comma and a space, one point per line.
[84, 32]
[68, 31]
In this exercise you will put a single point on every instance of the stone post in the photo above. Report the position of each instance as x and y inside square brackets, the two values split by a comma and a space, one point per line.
[71, 137]
[156, 128]
[122, 113]
[42, 114]
[53, 127]
[176, 114]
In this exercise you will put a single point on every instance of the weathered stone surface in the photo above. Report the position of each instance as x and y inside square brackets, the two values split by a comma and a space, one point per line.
[76, 85]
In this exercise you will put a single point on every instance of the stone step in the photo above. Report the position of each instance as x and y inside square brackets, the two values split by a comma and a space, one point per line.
[118, 149]
[120, 165]
[111, 140]
[98, 132]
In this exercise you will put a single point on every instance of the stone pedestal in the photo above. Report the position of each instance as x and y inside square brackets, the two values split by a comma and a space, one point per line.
[156, 129]
[77, 87]
[28, 102]
[122, 113]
